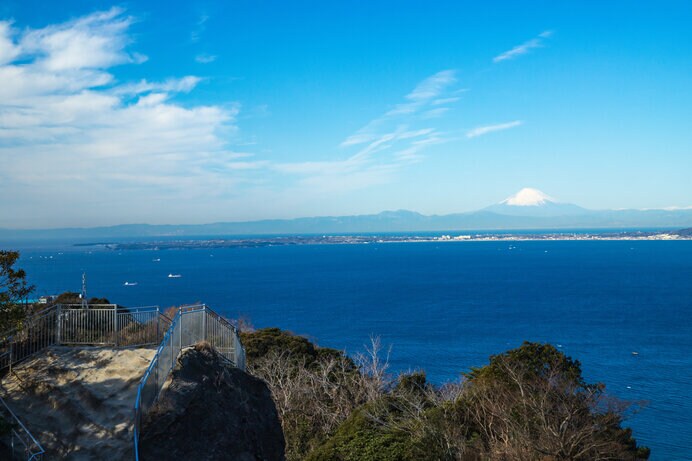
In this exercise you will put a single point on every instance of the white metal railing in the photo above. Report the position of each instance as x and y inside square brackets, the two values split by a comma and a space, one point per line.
[102, 324]
[34, 335]
[96, 325]
[190, 325]
[20, 442]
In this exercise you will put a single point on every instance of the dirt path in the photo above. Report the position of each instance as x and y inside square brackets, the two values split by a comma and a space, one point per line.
[79, 402]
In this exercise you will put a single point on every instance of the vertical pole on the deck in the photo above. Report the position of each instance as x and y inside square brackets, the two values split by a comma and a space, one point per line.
[58, 327]
[115, 325]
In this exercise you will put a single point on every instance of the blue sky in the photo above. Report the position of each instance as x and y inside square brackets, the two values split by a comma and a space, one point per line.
[223, 111]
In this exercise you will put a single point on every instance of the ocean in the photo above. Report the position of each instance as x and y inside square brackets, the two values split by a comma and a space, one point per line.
[442, 307]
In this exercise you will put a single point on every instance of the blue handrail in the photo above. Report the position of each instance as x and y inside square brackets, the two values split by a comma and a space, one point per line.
[32, 448]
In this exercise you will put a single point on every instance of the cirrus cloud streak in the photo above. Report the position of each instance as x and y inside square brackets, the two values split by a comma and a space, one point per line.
[483, 130]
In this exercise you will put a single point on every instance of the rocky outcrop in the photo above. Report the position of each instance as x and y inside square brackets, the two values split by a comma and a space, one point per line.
[212, 411]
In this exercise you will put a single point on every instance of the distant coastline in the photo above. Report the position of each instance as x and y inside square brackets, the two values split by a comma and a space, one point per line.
[529, 211]
[684, 234]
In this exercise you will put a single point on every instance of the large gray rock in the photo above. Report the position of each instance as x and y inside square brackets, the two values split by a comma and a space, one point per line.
[212, 411]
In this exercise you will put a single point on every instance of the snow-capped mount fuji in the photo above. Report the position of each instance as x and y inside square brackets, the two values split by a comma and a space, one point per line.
[528, 197]
[533, 202]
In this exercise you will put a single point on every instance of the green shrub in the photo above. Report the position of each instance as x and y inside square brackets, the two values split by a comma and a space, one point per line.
[361, 438]
[260, 343]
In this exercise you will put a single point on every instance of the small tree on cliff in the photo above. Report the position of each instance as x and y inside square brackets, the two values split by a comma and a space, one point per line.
[13, 291]
[533, 402]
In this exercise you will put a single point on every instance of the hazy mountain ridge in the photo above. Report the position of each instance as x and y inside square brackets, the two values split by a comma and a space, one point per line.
[547, 209]
[382, 222]
[526, 210]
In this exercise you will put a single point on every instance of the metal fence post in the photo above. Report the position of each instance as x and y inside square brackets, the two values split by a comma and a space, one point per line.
[115, 325]
[58, 327]
[156, 376]
[204, 322]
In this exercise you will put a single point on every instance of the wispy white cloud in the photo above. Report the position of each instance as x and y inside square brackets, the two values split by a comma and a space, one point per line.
[71, 134]
[94, 41]
[432, 86]
[438, 102]
[384, 145]
[431, 91]
[524, 48]
[435, 113]
[205, 58]
[8, 50]
[199, 28]
[171, 85]
[412, 153]
[482, 130]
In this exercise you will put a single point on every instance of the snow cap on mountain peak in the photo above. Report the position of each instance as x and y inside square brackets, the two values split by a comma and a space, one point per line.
[528, 197]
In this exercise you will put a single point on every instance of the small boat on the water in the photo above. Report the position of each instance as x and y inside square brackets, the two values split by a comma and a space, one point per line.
[156, 260]
[174, 276]
[635, 353]
[130, 284]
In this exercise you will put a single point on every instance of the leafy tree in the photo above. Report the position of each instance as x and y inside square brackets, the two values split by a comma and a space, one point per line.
[71, 297]
[261, 343]
[13, 291]
[532, 402]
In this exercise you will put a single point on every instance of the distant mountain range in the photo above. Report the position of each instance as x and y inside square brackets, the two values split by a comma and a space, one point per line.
[529, 209]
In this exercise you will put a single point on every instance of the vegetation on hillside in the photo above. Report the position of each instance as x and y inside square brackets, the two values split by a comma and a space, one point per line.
[527, 403]
[71, 297]
[13, 291]
[315, 389]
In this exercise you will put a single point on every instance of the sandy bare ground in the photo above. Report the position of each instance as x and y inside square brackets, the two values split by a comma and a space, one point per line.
[78, 402]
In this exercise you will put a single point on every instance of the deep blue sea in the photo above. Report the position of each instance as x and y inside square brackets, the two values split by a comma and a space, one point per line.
[442, 307]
